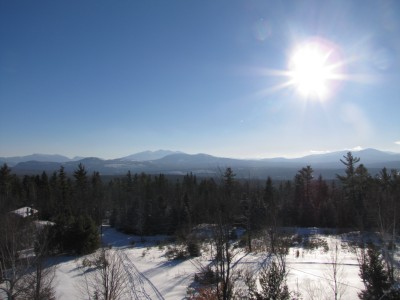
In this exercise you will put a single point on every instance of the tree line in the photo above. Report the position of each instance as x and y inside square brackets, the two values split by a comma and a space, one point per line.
[152, 204]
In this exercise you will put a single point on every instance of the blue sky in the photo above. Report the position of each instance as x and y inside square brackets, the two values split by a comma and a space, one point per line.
[111, 78]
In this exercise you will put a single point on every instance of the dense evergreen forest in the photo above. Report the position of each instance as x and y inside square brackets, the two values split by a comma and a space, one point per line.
[156, 204]
[142, 204]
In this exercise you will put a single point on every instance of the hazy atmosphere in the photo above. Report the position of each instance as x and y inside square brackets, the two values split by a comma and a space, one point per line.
[245, 79]
[199, 149]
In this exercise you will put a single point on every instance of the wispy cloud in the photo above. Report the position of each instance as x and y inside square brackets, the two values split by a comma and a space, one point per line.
[397, 142]
[320, 151]
[356, 148]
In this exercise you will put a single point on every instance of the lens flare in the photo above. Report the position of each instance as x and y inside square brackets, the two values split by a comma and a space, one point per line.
[313, 68]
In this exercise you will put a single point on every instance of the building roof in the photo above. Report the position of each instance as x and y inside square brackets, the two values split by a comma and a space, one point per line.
[25, 211]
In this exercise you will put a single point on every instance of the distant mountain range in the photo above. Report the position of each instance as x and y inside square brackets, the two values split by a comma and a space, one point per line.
[149, 155]
[179, 163]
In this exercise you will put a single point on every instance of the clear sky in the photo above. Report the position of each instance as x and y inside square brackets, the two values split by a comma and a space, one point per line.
[112, 78]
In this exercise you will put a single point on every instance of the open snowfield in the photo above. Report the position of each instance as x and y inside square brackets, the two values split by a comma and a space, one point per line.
[152, 275]
[312, 271]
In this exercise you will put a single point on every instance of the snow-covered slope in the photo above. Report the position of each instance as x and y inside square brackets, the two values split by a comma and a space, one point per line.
[154, 275]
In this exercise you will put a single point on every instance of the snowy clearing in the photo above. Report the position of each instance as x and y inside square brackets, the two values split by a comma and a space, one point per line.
[153, 276]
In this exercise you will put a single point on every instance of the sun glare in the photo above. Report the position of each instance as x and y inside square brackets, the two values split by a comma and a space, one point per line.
[312, 69]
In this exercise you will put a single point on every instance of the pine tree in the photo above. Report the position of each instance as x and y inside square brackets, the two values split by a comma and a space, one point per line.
[273, 281]
[86, 235]
[355, 184]
[375, 277]
[63, 192]
[5, 187]
[303, 196]
[81, 190]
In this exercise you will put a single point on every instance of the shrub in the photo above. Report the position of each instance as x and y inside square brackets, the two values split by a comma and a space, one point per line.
[193, 249]
[175, 253]
[206, 276]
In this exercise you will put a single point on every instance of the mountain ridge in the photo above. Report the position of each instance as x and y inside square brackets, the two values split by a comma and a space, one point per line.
[35, 157]
[149, 155]
[179, 163]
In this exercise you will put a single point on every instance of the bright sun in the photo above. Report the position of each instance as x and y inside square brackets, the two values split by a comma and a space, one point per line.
[312, 69]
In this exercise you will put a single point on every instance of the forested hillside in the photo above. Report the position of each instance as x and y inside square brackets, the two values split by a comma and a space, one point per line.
[151, 204]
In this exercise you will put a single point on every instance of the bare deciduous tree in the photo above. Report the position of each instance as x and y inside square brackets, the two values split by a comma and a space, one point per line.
[223, 263]
[22, 269]
[13, 266]
[104, 276]
[335, 273]
[313, 289]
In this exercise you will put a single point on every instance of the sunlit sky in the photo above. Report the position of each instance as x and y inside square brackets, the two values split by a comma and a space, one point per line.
[112, 78]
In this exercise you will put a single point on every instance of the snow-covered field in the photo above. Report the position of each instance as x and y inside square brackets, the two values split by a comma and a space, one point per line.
[153, 276]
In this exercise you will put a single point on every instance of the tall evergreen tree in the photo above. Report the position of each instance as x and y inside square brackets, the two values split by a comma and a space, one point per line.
[45, 201]
[375, 277]
[81, 189]
[64, 191]
[303, 196]
[350, 215]
[228, 198]
[96, 197]
[5, 188]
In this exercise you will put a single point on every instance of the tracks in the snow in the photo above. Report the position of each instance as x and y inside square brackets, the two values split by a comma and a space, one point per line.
[140, 286]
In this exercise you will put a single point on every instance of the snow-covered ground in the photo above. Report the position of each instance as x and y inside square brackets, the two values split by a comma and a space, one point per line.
[154, 276]
[312, 272]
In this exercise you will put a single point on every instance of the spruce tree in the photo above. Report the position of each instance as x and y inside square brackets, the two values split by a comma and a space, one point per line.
[375, 277]
[273, 281]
